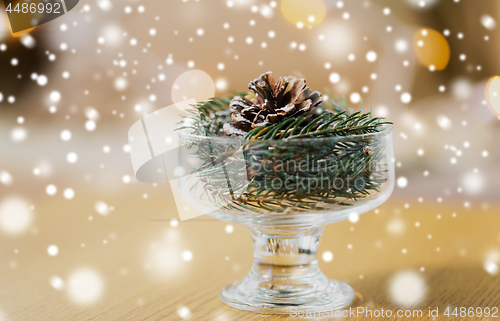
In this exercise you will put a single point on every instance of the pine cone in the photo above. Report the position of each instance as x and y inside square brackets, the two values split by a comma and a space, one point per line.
[270, 103]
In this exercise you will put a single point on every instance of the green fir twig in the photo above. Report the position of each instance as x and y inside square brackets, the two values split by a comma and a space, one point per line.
[241, 184]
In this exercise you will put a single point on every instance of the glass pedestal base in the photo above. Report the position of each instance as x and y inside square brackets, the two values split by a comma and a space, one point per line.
[335, 295]
[285, 278]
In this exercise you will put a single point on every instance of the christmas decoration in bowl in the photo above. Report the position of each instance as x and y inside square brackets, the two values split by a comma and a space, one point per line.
[285, 162]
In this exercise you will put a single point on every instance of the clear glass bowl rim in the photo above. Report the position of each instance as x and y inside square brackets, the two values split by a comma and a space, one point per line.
[386, 130]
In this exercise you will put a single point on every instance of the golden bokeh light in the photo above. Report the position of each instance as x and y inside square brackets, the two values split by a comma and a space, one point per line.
[6, 29]
[431, 48]
[303, 13]
[492, 94]
[193, 84]
[21, 33]
[26, 18]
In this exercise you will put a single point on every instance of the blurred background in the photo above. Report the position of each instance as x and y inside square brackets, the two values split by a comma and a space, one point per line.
[77, 230]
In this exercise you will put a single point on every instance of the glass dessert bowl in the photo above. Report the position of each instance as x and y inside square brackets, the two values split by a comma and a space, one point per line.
[286, 192]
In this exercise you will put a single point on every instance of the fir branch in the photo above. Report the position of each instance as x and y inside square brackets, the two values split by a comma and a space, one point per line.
[350, 161]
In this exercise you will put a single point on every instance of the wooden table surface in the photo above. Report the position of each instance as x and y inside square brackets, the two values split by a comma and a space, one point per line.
[138, 254]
